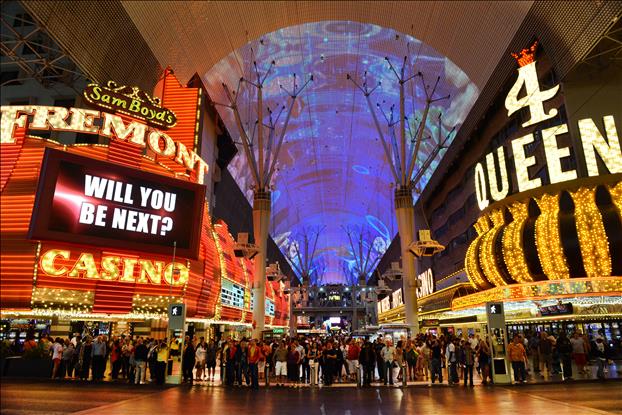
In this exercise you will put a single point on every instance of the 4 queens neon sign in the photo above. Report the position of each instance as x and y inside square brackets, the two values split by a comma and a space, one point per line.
[491, 175]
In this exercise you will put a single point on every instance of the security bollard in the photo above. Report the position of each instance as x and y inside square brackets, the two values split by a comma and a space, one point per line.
[313, 375]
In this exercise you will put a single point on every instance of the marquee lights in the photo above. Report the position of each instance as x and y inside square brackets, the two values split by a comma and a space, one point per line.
[616, 195]
[592, 237]
[608, 286]
[513, 244]
[548, 240]
[487, 257]
[83, 121]
[495, 192]
[471, 263]
[593, 240]
[608, 148]
[554, 154]
[522, 164]
[113, 268]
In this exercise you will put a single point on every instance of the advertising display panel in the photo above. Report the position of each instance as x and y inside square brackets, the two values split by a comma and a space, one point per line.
[93, 202]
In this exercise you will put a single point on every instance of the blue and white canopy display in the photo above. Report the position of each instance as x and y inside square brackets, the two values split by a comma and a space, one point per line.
[332, 171]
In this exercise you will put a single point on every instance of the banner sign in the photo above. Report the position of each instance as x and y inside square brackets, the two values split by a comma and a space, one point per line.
[92, 202]
[556, 310]
[397, 298]
[425, 283]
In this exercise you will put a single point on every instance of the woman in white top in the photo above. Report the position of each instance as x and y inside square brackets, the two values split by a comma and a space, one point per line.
[57, 355]
[200, 355]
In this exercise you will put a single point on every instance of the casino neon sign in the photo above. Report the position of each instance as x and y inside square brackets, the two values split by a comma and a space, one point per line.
[131, 270]
[491, 175]
[80, 120]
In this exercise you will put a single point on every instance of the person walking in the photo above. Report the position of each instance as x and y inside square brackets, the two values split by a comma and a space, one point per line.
[253, 356]
[99, 358]
[140, 358]
[211, 352]
[280, 364]
[329, 356]
[564, 348]
[545, 350]
[352, 359]
[452, 362]
[115, 359]
[162, 359]
[200, 358]
[85, 358]
[518, 357]
[483, 357]
[579, 352]
[367, 359]
[378, 346]
[293, 366]
[190, 358]
[600, 352]
[411, 358]
[388, 357]
[57, 357]
[435, 361]
[67, 364]
[468, 361]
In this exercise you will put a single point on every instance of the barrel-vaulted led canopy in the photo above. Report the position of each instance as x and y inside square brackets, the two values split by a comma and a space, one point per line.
[332, 170]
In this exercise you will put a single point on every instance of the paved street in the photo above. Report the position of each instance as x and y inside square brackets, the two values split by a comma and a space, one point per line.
[59, 398]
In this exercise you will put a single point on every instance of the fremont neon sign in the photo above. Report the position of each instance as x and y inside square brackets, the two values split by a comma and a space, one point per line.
[112, 126]
[491, 176]
[113, 268]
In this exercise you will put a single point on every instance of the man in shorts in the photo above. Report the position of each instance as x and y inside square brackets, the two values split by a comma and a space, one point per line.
[579, 351]
[280, 364]
[352, 357]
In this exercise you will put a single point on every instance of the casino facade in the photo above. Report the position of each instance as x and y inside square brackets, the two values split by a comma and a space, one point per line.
[101, 236]
[530, 212]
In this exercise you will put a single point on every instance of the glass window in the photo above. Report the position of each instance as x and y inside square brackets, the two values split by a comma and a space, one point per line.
[232, 294]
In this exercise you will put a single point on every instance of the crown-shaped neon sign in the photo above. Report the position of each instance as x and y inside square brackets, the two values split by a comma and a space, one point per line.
[526, 56]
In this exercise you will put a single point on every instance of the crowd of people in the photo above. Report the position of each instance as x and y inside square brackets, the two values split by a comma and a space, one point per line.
[313, 360]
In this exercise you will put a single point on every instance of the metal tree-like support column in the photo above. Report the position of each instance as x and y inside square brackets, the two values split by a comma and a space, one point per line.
[402, 161]
[364, 265]
[303, 265]
[262, 169]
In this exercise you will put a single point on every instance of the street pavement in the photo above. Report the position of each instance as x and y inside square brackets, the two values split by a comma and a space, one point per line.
[47, 397]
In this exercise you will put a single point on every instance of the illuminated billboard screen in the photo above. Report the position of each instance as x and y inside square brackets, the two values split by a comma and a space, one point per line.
[86, 201]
